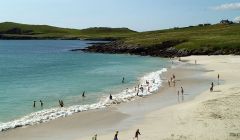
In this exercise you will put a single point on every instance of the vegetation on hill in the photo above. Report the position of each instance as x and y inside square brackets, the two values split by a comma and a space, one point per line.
[215, 36]
[11, 30]
[202, 39]
[223, 38]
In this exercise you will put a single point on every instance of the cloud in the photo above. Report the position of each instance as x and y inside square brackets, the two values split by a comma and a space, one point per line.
[228, 6]
[237, 19]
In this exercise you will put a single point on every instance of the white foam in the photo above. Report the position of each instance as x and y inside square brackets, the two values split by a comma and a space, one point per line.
[46, 115]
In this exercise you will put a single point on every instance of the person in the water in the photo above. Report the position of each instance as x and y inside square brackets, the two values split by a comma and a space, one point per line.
[61, 103]
[123, 80]
[41, 103]
[34, 103]
[83, 94]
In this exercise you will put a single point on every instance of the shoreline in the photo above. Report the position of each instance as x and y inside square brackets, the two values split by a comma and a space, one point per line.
[51, 114]
[124, 109]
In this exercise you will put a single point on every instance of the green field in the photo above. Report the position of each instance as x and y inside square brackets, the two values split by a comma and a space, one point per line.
[194, 37]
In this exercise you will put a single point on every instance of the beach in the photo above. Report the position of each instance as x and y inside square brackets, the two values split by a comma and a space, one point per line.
[210, 116]
[198, 114]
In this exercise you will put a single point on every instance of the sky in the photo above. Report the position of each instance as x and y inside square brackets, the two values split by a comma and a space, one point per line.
[140, 15]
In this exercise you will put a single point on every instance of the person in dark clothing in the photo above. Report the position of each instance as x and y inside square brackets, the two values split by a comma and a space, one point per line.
[34, 103]
[110, 97]
[136, 134]
[61, 103]
[83, 94]
[182, 91]
[116, 136]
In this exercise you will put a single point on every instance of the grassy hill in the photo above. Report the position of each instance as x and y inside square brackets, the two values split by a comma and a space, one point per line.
[194, 40]
[16, 30]
[214, 36]
[190, 40]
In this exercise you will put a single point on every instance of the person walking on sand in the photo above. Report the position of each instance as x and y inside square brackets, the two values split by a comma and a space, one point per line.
[137, 133]
[34, 103]
[211, 88]
[116, 136]
[41, 103]
[182, 91]
[212, 84]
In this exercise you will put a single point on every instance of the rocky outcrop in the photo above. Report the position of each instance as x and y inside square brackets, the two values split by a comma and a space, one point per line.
[165, 49]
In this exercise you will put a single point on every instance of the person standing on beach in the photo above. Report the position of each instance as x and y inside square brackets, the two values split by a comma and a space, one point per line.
[116, 136]
[182, 91]
[34, 103]
[41, 103]
[136, 134]
[110, 96]
[212, 84]
[218, 78]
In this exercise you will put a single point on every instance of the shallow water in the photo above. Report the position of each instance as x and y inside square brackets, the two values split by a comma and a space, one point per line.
[46, 70]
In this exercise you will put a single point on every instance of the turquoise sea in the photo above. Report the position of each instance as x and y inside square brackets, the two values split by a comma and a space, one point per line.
[46, 70]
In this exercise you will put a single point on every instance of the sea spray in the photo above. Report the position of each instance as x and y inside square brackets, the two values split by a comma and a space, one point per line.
[127, 95]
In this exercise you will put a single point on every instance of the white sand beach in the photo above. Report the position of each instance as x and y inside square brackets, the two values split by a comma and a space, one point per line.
[199, 114]
[210, 116]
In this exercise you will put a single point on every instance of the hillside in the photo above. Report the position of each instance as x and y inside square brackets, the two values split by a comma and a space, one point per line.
[210, 39]
[10, 30]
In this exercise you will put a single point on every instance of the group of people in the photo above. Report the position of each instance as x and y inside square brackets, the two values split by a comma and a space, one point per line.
[34, 103]
[172, 80]
[137, 133]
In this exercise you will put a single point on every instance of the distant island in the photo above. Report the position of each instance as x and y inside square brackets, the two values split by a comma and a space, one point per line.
[203, 39]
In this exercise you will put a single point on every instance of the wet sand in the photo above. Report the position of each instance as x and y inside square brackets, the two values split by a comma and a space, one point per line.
[121, 117]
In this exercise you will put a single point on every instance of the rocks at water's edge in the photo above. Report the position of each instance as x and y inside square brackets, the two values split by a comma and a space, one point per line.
[165, 49]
